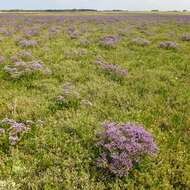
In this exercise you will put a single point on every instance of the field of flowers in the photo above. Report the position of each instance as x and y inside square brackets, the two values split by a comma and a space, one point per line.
[94, 101]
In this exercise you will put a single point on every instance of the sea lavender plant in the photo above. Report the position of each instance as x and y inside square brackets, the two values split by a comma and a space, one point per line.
[25, 55]
[69, 97]
[27, 43]
[73, 34]
[167, 45]
[15, 130]
[141, 42]
[20, 68]
[186, 37]
[116, 69]
[109, 41]
[122, 146]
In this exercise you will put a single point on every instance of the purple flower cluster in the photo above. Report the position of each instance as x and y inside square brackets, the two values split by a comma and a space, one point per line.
[73, 34]
[68, 92]
[15, 130]
[112, 68]
[32, 32]
[168, 45]
[109, 41]
[122, 146]
[20, 68]
[186, 37]
[141, 42]
[27, 55]
[74, 53]
[27, 43]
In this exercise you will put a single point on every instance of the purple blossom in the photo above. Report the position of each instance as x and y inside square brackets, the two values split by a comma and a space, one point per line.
[168, 45]
[16, 130]
[109, 41]
[13, 139]
[27, 43]
[111, 67]
[141, 42]
[186, 37]
[122, 146]
[27, 55]
[32, 32]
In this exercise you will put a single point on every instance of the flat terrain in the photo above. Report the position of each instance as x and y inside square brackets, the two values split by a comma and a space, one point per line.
[65, 74]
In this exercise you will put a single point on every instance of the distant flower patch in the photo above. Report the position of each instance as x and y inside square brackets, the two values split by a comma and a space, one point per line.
[122, 146]
[85, 42]
[75, 53]
[27, 43]
[186, 37]
[167, 45]
[141, 42]
[116, 69]
[109, 41]
[73, 34]
[32, 32]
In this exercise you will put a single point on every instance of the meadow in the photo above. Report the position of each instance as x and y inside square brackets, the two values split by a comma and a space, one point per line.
[63, 75]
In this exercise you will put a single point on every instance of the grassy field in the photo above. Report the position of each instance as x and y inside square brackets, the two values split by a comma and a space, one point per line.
[61, 153]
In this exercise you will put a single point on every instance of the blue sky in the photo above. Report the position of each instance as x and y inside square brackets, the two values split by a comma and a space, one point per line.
[97, 4]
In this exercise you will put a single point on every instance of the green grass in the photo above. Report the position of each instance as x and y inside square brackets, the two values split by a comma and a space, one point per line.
[62, 154]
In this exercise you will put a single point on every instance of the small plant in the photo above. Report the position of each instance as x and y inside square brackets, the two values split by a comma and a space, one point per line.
[186, 37]
[68, 98]
[141, 42]
[115, 69]
[11, 131]
[122, 146]
[167, 45]
[24, 43]
[22, 68]
[109, 41]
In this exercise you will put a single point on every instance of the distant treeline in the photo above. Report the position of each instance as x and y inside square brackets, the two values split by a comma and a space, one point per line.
[49, 10]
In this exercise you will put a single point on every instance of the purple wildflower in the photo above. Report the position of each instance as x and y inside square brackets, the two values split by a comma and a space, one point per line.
[113, 68]
[141, 42]
[186, 37]
[27, 43]
[13, 139]
[123, 146]
[109, 41]
[168, 45]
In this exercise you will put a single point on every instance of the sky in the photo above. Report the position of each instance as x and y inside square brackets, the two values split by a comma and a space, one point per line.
[131, 5]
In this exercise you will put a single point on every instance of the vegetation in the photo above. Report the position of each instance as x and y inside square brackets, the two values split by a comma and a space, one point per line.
[62, 76]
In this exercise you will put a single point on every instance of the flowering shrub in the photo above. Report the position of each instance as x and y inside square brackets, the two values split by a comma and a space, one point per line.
[75, 53]
[73, 34]
[32, 32]
[186, 37]
[112, 68]
[27, 43]
[25, 55]
[168, 45]
[122, 146]
[69, 97]
[13, 131]
[20, 68]
[109, 41]
[141, 42]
